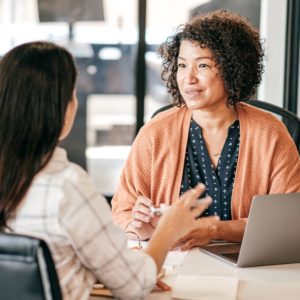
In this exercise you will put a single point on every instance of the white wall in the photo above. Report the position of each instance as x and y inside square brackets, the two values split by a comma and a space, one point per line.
[273, 28]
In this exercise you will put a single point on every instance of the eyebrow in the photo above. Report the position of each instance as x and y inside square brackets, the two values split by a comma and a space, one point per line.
[197, 58]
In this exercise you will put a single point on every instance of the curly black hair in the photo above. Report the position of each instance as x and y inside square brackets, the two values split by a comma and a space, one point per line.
[236, 48]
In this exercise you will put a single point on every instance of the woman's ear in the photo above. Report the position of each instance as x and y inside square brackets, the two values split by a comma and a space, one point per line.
[69, 117]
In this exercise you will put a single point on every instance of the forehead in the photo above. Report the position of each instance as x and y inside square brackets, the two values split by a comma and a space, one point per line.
[192, 49]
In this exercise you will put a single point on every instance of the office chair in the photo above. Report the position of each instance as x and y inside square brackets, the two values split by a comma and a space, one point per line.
[27, 271]
[290, 120]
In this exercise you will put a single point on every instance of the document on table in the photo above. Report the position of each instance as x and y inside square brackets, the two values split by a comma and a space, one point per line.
[173, 259]
[192, 287]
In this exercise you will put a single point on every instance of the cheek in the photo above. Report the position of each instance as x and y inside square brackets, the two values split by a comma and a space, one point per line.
[214, 83]
[219, 82]
[220, 86]
[179, 80]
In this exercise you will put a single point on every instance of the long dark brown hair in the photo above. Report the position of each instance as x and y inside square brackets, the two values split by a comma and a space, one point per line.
[37, 81]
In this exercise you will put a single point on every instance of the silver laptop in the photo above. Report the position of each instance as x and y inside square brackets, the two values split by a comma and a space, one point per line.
[272, 234]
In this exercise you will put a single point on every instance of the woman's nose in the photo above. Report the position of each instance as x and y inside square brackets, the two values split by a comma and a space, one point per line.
[190, 76]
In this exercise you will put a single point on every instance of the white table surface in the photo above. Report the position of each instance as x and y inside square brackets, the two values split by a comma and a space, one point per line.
[280, 282]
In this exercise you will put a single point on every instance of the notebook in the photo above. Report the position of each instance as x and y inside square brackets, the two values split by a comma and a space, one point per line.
[272, 234]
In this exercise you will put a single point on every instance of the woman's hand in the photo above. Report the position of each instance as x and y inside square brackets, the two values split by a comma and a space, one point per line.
[142, 214]
[181, 218]
[177, 221]
[208, 230]
[202, 235]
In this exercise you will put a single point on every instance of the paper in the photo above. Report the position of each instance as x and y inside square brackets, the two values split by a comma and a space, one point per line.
[192, 287]
[174, 258]
[133, 243]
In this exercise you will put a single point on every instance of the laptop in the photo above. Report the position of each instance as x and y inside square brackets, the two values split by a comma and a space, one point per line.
[271, 237]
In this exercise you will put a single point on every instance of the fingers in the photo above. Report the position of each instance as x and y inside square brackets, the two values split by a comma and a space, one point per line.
[191, 195]
[161, 286]
[188, 245]
[192, 201]
[142, 206]
[141, 212]
[141, 217]
[137, 224]
[201, 205]
[201, 234]
[184, 244]
[177, 246]
[144, 200]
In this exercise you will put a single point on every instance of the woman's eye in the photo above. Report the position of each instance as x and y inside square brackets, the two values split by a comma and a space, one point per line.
[181, 65]
[203, 66]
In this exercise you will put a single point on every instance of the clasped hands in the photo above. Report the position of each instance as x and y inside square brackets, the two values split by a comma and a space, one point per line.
[142, 213]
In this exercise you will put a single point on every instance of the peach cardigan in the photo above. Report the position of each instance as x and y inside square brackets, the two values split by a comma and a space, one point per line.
[268, 162]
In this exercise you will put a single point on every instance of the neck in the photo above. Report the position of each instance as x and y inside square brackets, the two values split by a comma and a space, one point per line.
[213, 121]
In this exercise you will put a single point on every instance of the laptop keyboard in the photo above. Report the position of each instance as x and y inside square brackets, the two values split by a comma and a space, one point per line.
[231, 256]
[228, 251]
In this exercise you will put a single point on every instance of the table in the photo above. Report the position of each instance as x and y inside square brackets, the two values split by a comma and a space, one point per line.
[280, 282]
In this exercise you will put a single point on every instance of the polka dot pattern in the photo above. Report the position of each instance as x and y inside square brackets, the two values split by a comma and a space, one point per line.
[199, 168]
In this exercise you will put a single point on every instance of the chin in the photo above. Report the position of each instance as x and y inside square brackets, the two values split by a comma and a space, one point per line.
[195, 104]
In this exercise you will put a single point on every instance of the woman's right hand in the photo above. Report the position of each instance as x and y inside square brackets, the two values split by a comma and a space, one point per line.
[141, 212]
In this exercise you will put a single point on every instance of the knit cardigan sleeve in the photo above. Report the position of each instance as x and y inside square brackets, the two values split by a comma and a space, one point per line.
[154, 167]
[135, 180]
[285, 166]
[268, 161]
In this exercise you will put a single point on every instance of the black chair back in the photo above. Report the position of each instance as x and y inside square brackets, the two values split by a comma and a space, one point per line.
[27, 270]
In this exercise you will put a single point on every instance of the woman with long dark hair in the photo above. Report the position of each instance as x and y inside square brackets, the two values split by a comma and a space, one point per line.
[44, 195]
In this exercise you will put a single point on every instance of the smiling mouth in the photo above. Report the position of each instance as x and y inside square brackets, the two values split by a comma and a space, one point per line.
[193, 93]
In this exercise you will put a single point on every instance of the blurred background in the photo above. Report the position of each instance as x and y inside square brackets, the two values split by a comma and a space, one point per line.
[114, 43]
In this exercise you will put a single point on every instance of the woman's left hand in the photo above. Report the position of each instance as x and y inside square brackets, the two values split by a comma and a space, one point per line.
[198, 237]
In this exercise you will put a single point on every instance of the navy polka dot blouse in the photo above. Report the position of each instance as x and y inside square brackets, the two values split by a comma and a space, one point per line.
[199, 168]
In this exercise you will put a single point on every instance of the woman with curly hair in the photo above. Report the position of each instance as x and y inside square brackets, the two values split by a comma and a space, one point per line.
[211, 66]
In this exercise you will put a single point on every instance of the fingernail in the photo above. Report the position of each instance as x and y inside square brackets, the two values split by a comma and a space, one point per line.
[201, 185]
[205, 200]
